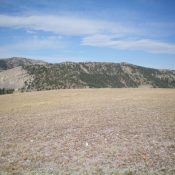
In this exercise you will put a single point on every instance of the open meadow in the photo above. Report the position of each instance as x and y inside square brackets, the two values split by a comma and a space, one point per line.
[88, 131]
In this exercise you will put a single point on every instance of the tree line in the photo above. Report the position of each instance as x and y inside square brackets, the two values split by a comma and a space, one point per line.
[6, 91]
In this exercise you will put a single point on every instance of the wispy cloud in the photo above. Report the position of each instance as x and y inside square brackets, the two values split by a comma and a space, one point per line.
[50, 42]
[129, 44]
[63, 24]
[92, 32]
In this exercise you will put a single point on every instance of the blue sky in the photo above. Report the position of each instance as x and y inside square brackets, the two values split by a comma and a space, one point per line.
[140, 32]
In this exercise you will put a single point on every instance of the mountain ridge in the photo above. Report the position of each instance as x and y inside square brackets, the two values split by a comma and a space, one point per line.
[12, 62]
[40, 75]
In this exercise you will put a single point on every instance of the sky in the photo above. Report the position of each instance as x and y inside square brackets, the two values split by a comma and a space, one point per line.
[140, 32]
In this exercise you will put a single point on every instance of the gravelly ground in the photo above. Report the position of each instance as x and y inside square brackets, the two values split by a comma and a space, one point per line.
[90, 131]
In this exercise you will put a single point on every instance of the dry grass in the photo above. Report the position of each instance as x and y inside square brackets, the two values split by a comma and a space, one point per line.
[90, 131]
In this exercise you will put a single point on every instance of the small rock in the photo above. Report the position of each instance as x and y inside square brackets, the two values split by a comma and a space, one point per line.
[28, 161]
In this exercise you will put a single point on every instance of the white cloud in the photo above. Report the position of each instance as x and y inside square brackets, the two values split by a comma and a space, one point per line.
[66, 25]
[129, 44]
[93, 32]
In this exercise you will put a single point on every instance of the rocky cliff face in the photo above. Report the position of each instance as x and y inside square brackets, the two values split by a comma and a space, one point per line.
[12, 72]
[43, 76]
[14, 78]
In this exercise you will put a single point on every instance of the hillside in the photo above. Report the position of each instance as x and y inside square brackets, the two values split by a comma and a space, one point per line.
[44, 76]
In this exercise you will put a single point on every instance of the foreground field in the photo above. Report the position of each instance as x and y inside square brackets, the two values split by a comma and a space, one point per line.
[90, 131]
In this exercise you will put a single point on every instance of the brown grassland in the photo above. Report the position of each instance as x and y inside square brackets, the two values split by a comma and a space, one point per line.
[88, 131]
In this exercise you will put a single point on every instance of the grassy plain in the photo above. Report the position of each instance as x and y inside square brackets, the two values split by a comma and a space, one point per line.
[88, 131]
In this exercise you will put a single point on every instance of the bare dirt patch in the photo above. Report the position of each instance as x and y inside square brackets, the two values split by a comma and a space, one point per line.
[90, 131]
[14, 78]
